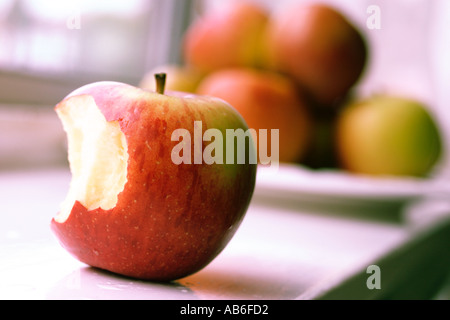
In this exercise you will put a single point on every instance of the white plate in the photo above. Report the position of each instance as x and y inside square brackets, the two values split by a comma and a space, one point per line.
[295, 182]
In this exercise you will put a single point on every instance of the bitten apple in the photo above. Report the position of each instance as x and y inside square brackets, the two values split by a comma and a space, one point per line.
[266, 100]
[318, 46]
[130, 209]
[229, 37]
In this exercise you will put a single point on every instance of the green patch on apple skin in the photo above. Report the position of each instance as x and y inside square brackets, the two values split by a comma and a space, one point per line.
[222, 142]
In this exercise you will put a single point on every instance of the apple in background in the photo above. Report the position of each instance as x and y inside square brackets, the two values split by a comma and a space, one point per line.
[318, 47]
[179, 78]
[130, 209]
[266, 100]
[229, 37]
[321, 153]
[388, 135]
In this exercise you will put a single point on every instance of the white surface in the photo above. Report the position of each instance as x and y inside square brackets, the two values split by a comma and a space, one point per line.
[281, 251]
[337, 186]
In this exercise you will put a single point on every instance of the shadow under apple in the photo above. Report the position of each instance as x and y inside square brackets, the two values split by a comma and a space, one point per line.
[88, 283]
[216, 284]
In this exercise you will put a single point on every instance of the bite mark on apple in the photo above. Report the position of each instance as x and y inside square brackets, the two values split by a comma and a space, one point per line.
[97, 154]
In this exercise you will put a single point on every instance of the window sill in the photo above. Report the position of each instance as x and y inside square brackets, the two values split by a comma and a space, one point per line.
[30, 136]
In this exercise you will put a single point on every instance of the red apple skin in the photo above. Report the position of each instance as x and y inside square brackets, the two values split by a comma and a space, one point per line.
[224, 38]
[170, 220]
[317, 46]
[266, 100]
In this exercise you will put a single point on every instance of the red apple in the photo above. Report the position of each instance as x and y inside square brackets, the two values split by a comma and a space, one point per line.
[130, 208]
[229, 37]
[266, 100]
[318, 46]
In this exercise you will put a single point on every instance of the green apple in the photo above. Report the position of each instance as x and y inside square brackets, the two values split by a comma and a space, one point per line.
[388, 135]
[130, 208]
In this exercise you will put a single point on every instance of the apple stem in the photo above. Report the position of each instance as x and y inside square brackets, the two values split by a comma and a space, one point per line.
[160, 82]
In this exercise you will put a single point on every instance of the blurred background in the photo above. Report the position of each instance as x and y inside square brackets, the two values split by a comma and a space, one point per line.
[48, 48]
